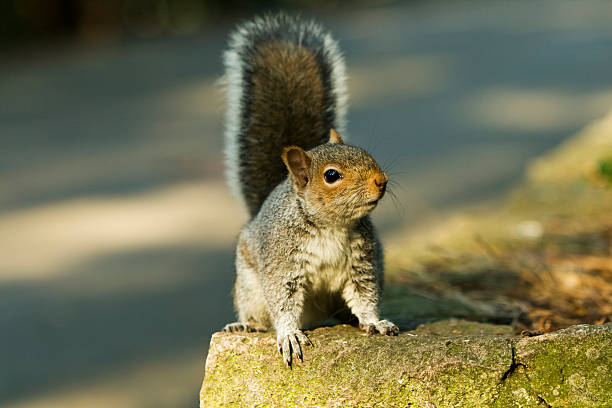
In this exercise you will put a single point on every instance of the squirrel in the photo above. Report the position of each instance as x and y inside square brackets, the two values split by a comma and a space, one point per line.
[309, 251]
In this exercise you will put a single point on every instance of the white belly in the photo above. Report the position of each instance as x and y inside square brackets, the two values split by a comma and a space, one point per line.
[329, 254]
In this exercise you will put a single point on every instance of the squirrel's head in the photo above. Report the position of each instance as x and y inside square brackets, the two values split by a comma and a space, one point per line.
[336, 182]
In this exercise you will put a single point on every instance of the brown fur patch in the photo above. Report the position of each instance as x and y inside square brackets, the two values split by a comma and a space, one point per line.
[247, 257]
[289, 73]
[334, 137]
[352, 196]
[287, 108]
[351, 177]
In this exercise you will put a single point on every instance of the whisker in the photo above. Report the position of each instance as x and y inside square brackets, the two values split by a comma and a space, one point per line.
[401, 210]
[395, 184]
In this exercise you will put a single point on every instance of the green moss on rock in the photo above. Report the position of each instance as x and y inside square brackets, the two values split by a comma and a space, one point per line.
[448, 363]
[571, 367]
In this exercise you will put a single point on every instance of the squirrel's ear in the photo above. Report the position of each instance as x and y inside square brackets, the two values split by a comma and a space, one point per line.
[334, 137]
[297, 162]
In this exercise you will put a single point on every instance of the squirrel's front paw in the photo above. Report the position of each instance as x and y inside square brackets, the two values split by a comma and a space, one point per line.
[382, 326]
[289, 343]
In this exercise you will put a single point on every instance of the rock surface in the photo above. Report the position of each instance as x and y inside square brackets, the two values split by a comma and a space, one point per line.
[449, 363]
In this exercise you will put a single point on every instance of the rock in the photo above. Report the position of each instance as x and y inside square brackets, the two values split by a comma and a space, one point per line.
[449, 363]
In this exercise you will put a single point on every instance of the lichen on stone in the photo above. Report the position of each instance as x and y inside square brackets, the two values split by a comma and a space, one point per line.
[446, 363]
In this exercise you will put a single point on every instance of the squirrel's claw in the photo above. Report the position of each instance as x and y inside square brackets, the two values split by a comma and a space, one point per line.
[295, 346]
[303, 338]
[387, 328]
[286, 351]
[288, 344]
[383, 327]
[369, 328]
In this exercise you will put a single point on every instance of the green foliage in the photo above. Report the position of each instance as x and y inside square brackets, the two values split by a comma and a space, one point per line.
[605, 169]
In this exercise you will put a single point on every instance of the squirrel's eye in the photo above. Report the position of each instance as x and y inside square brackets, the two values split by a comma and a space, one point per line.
[331, 176]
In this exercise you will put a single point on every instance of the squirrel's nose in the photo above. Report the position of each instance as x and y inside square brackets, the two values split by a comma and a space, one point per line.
[380, 181]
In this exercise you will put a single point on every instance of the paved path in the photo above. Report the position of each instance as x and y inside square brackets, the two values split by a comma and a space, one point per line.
[116, 230]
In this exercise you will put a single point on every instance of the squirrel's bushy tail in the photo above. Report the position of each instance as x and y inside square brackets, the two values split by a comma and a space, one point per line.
[285, 81]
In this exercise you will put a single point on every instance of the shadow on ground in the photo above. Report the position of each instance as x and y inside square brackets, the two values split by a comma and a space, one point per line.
[130, 307]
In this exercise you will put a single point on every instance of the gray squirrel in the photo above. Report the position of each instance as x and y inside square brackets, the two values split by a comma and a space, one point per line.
[309, 251]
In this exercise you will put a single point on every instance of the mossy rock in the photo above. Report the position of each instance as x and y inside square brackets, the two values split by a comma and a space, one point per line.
[449, 363]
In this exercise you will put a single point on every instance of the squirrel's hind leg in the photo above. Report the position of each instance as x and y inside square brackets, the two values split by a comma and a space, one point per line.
[243, 327]
[248, 296]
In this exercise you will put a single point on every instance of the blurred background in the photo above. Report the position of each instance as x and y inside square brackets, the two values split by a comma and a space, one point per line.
[116, 228]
